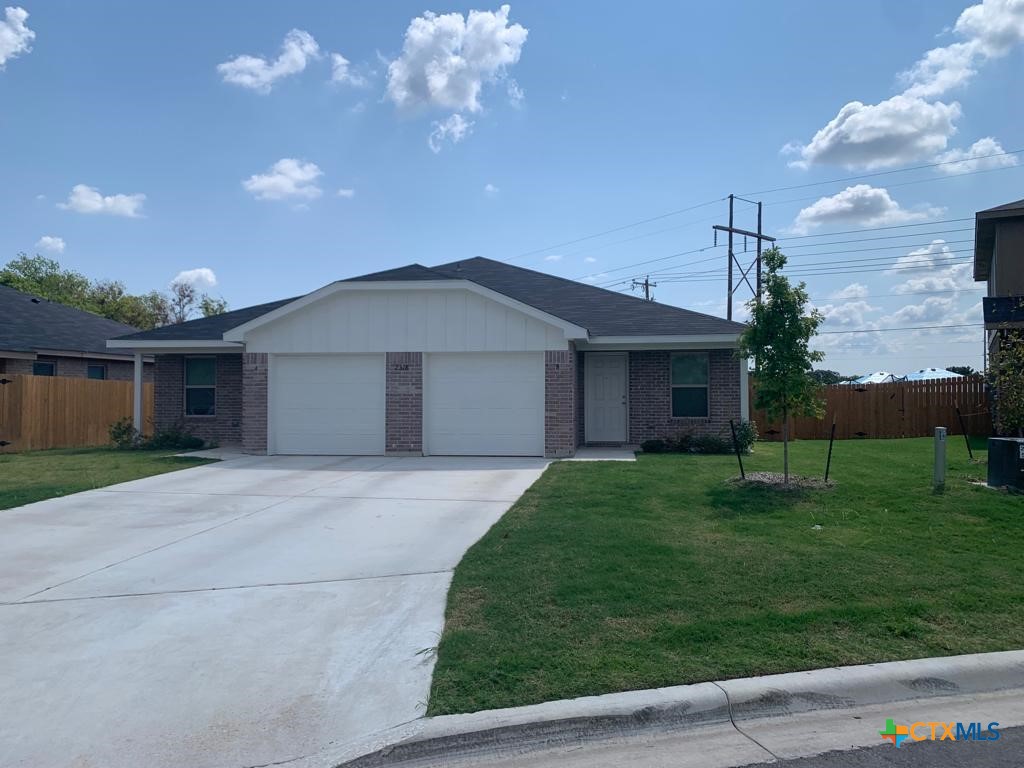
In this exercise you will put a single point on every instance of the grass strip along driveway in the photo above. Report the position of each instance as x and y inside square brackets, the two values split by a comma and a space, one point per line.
[38, 475]
[615, 576]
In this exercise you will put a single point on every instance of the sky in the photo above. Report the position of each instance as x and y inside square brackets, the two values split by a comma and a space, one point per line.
[262, 150]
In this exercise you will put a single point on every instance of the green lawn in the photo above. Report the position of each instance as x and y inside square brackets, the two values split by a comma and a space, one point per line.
[38, 475]
[616, 576]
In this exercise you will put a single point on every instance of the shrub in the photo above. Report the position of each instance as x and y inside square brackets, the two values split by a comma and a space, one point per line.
[685, 442]
[173, 437]
[654, 446]
[124, 435]
[746, 435]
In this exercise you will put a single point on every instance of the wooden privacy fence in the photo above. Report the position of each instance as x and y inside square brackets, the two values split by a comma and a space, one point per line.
[39, 412]
[900, 409]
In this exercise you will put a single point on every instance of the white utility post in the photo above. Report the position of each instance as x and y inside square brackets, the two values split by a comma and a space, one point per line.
[939, 477]
[137, 393]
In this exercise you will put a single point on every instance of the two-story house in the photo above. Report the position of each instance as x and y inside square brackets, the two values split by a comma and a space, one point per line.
[999, 260]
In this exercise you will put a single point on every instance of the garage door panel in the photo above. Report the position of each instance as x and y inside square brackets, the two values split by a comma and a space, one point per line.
[328, 404]
[484, 404]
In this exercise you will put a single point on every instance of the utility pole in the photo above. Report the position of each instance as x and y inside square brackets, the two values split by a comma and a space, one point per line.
[759, 237]
[646, 284]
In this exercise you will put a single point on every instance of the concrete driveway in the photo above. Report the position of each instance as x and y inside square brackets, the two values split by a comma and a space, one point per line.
[237, 614]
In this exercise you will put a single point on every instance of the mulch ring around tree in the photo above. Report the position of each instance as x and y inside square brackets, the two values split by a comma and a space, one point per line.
[777, 480]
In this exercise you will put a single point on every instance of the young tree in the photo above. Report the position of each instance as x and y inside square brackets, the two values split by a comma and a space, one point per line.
[46, 278]
[1006, 372]
[778, 339]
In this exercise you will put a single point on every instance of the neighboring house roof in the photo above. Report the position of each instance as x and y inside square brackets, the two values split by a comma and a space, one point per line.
[985, 234]
[927, 374]
[601, 312]
[207, 328]
[29, 323]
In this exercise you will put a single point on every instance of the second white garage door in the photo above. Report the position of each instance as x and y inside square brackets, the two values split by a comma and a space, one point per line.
[484, 404]
[327, 404]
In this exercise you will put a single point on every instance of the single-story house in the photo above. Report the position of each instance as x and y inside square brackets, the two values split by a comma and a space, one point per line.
[43, 338]
[475, 357]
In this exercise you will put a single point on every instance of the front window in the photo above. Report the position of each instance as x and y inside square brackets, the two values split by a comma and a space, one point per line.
[98, 372]
[690, 385]
[200, 386]
[44, 368]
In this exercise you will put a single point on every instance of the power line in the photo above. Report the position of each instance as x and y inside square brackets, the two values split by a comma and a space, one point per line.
[616, 229]
[884, 237]
[883, 173]
[907, 328]
[876, 229]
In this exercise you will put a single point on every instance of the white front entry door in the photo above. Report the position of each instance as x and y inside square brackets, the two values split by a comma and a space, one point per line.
[604, 397]
[327, 404]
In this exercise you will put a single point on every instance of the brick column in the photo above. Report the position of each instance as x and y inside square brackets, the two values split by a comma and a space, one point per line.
[254, 402]
[403, 419]
[560, 403]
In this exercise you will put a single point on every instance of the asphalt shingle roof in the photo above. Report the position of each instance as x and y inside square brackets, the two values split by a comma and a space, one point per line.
[601, 312]
[29, 323]
[207, 328]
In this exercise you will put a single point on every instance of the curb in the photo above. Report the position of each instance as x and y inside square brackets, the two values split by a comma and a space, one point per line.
[520, 730]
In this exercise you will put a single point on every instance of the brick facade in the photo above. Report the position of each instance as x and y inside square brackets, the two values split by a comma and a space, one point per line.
[254, 402]
[225, 428]
[650, 396]
[403, 420]
[77, 367]
[560, 411]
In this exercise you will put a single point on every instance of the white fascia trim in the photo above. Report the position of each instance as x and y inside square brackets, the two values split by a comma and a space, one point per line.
[175, 345]
[89, 355]
[238, 333]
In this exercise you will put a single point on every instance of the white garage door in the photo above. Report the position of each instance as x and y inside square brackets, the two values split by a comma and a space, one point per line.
[327, 404]
[484, 404]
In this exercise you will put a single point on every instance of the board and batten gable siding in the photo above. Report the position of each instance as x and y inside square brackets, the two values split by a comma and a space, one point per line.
[405, 321]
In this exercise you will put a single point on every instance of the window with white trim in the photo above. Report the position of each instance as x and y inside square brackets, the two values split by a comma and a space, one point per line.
[690, 378]
[200, 386]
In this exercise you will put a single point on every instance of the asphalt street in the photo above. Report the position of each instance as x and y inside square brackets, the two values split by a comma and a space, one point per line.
[1007, 752]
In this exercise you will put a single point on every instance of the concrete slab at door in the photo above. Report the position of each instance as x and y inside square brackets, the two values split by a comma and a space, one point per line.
[327, 404]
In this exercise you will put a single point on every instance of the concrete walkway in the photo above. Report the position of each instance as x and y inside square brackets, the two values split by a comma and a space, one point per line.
[236, 614]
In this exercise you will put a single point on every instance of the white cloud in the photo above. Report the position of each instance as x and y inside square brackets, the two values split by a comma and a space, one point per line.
[453, 128]
[447, 59]
[490, 190]
[346, 193]
[86, 199]
[287, 178]
[553, 257]
[932, 268]
[259, 74]
[50, 244]
[589, 259]
[852, 291]
[201, 278]
[341, 72]
[849, 314]
[934, 309]
[913, 125]
[594, 278]
[15, 37]
[860, 205]
[990, 30]
[893, 132]
[977, 157]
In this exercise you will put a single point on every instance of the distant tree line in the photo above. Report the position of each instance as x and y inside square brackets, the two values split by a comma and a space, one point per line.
[46, 278]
